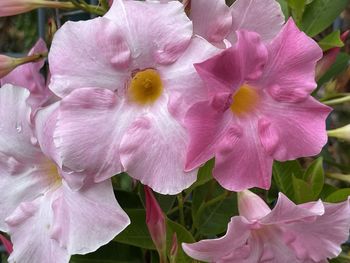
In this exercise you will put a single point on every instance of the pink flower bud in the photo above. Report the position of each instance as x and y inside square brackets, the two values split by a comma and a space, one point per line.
[15, 7]
[174, 249]
[7, 64]
[7, 244]
[155, 221]
[329, 58]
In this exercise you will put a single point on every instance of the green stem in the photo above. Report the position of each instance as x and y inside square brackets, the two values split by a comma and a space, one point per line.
[181, 208]
[340, 177]
[344, 256]
[93, 9]
[32, 58]
[56, 4]
[337, 101]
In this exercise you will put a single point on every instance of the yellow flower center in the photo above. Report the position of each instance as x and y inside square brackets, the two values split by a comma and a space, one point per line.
[244, 100]
[145, 87]
[53, 175]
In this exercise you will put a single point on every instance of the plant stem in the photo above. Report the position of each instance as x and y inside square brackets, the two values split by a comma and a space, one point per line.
[337, 101]
[341, 177]
[181, 208]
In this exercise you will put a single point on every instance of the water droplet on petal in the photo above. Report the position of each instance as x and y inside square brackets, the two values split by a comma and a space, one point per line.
[18, 127]
[33, 140]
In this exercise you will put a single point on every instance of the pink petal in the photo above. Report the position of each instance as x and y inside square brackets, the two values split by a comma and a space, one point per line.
[30, 227]
[244, 61]
[29, 77]
[263, 17]
[181, 79]
[149, 42]
[251, 206]
[211, 20]
[85, 220]
[286, 211]
[213, 250]
[206, 127]
[321, 239]
[149, 144]
[100, 62]
[294, 129]
[91, 123]
[290, 72]
[240, 161]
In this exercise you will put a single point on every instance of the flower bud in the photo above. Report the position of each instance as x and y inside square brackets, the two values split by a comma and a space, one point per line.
[342, 133]
[174, 249]
[156, 224]
[7, 244]
[15, 7]
[329, 58]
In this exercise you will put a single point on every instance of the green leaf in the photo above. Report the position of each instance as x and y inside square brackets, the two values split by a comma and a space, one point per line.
[213, 216]
[327, 190]
[320, 14]
[111, 253]
[136, 234]
[282, 174]
[314, 176]
[337, 68]
[128, 199]
[298, 7]
[182, 236]
[302, 191]
[284, 7]
[338, 196]
[330, 41]
[204, 175]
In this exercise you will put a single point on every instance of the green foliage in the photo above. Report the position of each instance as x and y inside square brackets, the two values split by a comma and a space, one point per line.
[331, 40]
[338, 195]
[320, 14]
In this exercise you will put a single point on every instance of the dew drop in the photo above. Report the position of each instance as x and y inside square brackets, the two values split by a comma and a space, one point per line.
[18, 127]
[33, 140]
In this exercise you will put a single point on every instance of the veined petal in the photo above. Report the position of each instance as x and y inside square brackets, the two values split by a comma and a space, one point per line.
[240, 161]
[30, 227]
[211, 19]
[294, 129]
[321, 238]
[263, 17]
[289, 75]
[150, 39]
[85, 220]
[149, 144]
[100, 62]
[251, 206]
[91, 123]
[213, 250]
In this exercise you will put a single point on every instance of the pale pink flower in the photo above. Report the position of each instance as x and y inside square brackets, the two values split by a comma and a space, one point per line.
[217, 22]
[29, 76]
[7, 64]
[47, 220]
[305, 233]
[156, 224]
[126, 80]
[260, 108]
[15, 7]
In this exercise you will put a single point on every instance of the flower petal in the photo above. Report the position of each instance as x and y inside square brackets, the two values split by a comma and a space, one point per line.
[100, 62]
[149, 144]
[294, 129]
[240, 161]
[242, 62]
[211, 20]
[91, 123]
[251, 206]
[321, 238]
[213, 250]
[30, 233]
[263, 17]
[87, 219]
[151, 43]
[289, 74]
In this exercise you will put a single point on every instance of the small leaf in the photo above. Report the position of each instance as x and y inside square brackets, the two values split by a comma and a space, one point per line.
[136, 234]
[302, 191]
[330, 41]
[298, 7]
[338, 196]
[327, 190]
[284, 7]
[314, 176]
[320, 14]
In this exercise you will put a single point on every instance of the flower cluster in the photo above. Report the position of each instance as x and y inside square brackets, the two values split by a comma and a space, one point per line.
[152, 91]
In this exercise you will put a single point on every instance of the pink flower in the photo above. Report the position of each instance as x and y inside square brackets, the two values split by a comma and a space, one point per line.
[306, 233]
[126, 80]
[7, 244]
[260, 108]
[47, 220]
[15, 7]
[7, 64]
[156, 224]
[29, 76]
[217, 22]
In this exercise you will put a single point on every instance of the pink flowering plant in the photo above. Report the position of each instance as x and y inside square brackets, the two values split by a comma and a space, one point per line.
[177, 131]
